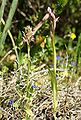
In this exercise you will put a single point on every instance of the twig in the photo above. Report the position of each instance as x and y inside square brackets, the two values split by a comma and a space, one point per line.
[32, 32]
[53, 16]
[40, 23]
[23, 14]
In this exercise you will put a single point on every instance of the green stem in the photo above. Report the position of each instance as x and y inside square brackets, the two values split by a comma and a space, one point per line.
[28, 80]
[54, 54]
[29, 68]
[15, 47]
[54, 71]
[29, 59]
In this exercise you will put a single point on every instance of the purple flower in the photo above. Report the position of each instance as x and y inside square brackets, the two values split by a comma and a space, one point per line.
[11, 102]
[58, 57]
[34, 86]
[73, 63]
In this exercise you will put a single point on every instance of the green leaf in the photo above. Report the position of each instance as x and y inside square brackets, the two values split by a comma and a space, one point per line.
[54, 88]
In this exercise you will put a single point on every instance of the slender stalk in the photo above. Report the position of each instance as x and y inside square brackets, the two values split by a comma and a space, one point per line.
[53, 21]
[53, 45]
[14, 46]
[54, 72]
[28, 82]
[29, 66]
[29, 59]
[13, 43]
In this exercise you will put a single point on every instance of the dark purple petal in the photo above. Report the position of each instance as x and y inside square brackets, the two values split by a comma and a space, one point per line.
[34, 86]
[11, 102]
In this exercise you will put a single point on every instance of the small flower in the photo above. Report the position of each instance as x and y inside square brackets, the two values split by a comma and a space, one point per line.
[73, 63]
[57, 57]
[11, 102]
[34, 86]
[72, 36]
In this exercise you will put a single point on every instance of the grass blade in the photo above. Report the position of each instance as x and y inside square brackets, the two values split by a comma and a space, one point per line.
[8, 23]
[2, 8]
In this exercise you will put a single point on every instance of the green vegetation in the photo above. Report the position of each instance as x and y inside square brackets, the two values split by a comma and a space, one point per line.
[40, 59]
